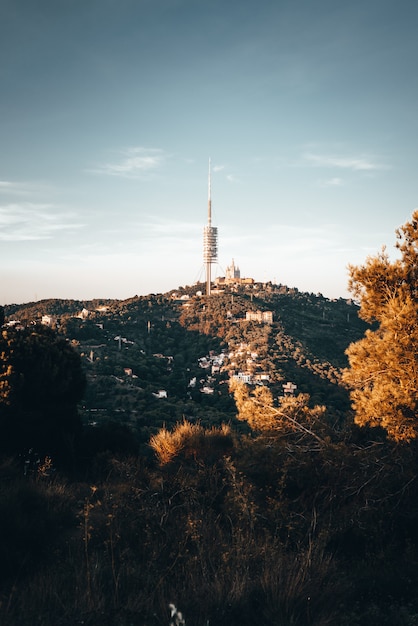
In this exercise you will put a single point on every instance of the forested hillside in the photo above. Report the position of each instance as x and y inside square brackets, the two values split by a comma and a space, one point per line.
[159, 339]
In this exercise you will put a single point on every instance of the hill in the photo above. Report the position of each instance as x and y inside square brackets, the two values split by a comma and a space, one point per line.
[151, 360]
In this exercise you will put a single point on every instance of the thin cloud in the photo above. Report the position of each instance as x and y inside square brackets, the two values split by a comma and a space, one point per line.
[18, 188]
[296, 239]
[33, 222]
[218, 168]
[171, 228]
[361, 163]
[133, 163]
[232, 179]
[147, 238]
[331, 182]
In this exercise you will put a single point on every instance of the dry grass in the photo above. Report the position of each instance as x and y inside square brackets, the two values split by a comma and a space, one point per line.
[188, 440]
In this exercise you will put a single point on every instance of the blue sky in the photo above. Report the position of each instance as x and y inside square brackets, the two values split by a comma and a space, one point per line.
[110, 110]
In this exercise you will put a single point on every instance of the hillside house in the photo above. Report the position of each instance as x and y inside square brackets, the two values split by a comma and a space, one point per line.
[262, 377]
[161, 393]
[289, 389]
[49, 320]
[243, 377]
[265, 317]
[83, 315]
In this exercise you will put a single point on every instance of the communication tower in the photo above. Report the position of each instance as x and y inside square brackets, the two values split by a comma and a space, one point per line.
[210, 242]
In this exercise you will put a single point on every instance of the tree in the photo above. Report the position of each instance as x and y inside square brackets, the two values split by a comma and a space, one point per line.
[292, 415]
[383, 366]
[41, 382]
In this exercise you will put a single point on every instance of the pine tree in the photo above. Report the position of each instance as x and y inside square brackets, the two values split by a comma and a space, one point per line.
[292, 414]
[383, 366]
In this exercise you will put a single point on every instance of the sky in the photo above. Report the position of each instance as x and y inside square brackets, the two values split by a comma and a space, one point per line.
[111, 109]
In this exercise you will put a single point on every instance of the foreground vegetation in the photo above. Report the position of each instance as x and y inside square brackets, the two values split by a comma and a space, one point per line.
[275, 529]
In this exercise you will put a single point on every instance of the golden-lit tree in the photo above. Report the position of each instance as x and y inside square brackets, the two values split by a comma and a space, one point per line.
[292, 414]
[383, 366]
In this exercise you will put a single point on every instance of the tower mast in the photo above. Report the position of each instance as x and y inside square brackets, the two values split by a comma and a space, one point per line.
[209, 199]
[208, 261]
[210, 241]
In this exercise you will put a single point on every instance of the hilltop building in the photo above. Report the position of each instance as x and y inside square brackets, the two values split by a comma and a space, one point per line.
[233, 277]
[232, 272]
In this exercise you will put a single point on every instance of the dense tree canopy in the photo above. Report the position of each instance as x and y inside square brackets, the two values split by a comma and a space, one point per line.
[41, 382]
[383, 372]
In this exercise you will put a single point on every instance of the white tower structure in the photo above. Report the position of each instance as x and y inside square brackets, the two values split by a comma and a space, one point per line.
[210, 242]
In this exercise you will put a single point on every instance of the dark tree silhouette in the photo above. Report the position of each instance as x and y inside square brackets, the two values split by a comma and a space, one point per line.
[41, 382]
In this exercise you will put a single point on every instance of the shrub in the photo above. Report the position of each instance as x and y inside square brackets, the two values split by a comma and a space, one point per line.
[191, 441]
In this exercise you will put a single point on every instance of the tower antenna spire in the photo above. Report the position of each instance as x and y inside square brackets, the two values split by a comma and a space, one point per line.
[209, 198]
[210, 241]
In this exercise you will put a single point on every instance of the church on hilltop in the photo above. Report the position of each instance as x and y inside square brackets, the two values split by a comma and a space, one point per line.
[232, 272]
[233, 277]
